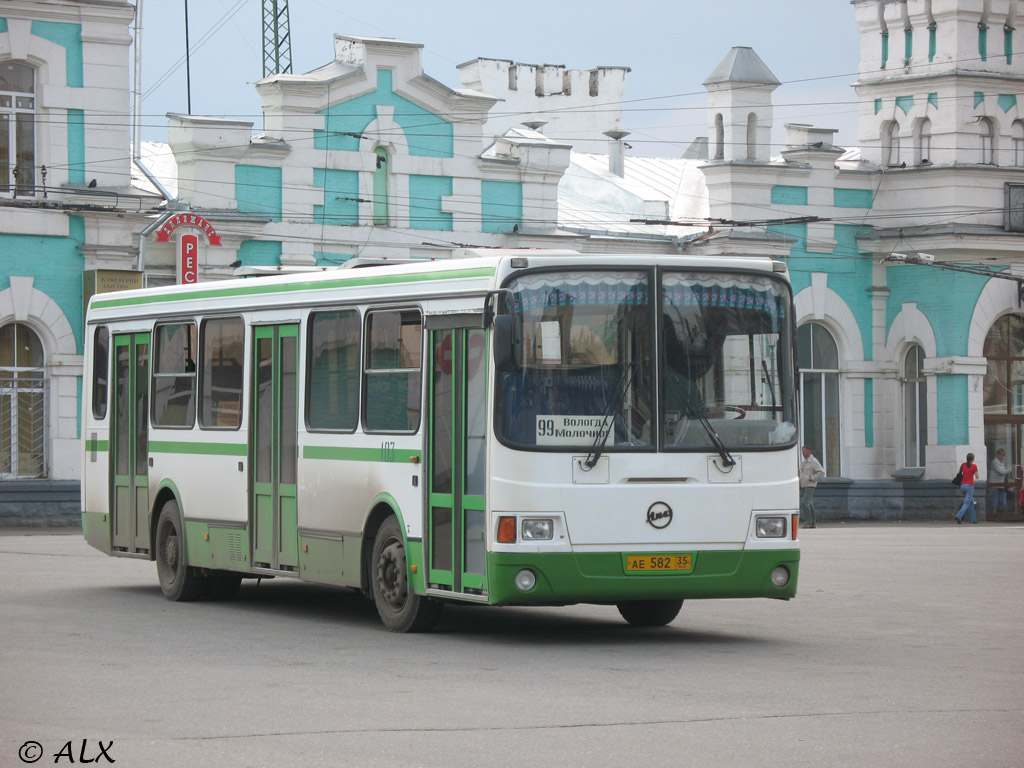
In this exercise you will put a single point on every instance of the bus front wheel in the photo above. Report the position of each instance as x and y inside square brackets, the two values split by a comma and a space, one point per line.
[178, 580]
[399, 607]
[650, 613]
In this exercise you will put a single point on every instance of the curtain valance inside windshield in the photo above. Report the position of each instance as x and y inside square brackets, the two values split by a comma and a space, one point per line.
[705, 291]
[559, 290]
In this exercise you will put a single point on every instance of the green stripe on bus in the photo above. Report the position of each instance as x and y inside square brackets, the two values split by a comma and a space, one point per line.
[97, 445]
[210, 449]
[333, 453]
[258, 289]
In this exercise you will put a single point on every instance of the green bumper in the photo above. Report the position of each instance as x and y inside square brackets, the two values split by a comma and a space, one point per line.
[600, 577]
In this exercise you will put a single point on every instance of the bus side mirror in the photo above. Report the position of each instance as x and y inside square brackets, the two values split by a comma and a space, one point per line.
[508, 343]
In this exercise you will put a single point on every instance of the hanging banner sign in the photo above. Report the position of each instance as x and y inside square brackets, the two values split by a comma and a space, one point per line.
[188, 260]
[163, 235]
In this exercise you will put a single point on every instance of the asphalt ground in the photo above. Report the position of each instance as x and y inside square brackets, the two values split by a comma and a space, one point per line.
[902, 648]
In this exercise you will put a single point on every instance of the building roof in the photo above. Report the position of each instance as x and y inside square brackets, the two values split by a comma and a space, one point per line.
[742, 65]
[159, 159]
[594, 200]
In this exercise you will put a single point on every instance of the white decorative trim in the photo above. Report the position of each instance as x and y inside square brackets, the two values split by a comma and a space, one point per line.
[819, 303]
[24, 304]
[998, 298]
[51, 324]
[910, 326]
[21, 296]
[822, 305]
[384, 132]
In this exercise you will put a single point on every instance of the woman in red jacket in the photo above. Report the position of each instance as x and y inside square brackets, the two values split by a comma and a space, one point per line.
[969, 471]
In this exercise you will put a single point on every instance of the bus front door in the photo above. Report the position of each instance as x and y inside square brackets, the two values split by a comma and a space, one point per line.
[129, 525]
[273, 516]
[457, 473]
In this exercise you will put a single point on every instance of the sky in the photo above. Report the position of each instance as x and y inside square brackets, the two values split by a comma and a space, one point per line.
[670, 46]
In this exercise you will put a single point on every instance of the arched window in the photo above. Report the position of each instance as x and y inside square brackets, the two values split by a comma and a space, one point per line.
[924, 142]
[17, 129]
[1004, 416]
[719, 137]
[1018, 143]
[915, 408]
[380, 188]
[751, 136]
[891, 145]
[22, 403]
[818, 358]
[988, 141]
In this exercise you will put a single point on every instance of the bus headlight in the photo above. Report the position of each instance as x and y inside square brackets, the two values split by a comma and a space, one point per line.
[525, 580]
[771, 527]
[538, 529]
[780, 576]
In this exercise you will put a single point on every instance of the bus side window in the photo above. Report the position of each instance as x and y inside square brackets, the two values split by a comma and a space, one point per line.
[100, 372]
[332, 399]
[220, 375]
[174, 376]
[391, 399]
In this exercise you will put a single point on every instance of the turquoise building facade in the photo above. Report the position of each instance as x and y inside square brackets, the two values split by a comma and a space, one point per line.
[64, 161]
[904, 255]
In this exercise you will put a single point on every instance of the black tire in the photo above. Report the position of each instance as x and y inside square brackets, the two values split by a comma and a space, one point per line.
[178, 580]
[650, 613]
[222, 585]
[399, 607]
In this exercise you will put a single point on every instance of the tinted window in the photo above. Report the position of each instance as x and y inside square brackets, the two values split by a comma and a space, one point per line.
[100, 371]
[393, 350]
[332, 401]
[223, 344]
[174, 376]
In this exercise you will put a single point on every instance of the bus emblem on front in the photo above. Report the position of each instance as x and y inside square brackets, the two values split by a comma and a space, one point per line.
[659, 514]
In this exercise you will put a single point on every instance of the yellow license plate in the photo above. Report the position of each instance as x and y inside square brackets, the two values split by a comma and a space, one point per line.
[658, 563]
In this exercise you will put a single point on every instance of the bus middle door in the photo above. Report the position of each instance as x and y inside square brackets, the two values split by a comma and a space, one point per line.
[273, 516]
[129, 525]
[455, 541]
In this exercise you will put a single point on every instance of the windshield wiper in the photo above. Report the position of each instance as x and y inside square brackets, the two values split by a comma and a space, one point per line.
[619, 396]
[700, 412]
[771, 384]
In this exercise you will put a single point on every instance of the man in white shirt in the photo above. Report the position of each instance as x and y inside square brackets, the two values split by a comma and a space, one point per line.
[811, 472]
[997, 472]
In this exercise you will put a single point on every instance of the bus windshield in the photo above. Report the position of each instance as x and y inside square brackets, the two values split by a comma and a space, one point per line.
[700, 362]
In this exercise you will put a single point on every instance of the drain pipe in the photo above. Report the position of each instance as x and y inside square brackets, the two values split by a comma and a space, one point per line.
[137, 145]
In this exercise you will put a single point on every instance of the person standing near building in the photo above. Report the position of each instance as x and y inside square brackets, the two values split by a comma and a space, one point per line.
[997, 472]
[811, 472]
[968, 471]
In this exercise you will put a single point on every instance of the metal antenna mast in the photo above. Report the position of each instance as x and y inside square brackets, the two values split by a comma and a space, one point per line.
[277, 40]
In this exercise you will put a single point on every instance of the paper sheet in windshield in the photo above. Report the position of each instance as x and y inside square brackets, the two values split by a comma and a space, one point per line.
[572, 430]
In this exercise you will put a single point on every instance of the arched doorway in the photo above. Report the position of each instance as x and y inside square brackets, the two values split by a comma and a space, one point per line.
[818, 358]
[22, 403]
[1004, 417]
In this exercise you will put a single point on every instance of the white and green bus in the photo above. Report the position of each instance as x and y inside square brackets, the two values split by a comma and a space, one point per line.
[512, 428]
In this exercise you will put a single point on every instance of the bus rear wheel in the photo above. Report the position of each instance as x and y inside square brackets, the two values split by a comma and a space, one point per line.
[401, 609]
[650, 613]
[178, 580]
